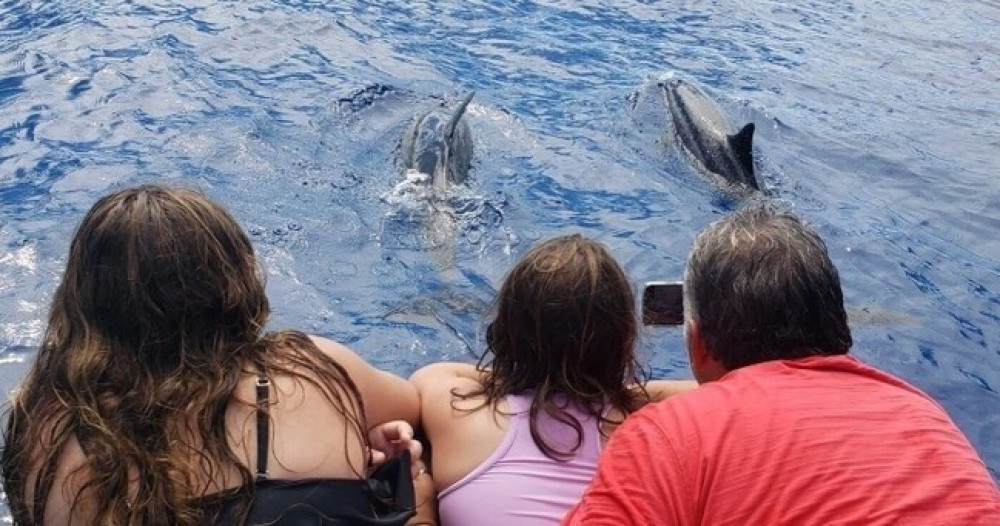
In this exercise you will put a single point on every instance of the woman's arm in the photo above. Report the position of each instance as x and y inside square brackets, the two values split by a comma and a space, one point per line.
[384, 395]
[426, 498]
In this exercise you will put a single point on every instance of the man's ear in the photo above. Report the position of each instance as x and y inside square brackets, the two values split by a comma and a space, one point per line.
[704, 366]
[697, 353]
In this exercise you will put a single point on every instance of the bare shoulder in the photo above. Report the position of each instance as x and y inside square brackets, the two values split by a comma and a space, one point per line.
[451, 372]
[63, 505]
[463, 431]
[450, 404]
[439, 383]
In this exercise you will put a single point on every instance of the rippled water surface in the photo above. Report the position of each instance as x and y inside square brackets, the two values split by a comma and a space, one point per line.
[877, 121]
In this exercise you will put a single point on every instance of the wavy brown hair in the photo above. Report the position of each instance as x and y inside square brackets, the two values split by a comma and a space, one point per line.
[565, 329]
[159, 315]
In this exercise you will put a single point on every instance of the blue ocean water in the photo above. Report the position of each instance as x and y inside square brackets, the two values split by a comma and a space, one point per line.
[879, 122]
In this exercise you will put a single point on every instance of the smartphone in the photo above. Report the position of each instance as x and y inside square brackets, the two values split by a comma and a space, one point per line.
[663, 303]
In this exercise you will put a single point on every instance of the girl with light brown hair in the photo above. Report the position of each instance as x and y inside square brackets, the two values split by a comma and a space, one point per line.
[157, 396]
[515, 439]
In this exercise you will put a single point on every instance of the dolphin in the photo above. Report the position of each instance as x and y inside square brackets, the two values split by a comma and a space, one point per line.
[439, 144]
[708, 135]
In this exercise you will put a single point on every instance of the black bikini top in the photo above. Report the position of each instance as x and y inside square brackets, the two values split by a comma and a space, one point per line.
[385, 498]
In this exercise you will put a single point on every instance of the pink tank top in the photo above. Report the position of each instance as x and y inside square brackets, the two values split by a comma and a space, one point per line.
[518, 484]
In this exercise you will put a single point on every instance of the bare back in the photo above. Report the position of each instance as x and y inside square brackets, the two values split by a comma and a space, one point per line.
[309, 436]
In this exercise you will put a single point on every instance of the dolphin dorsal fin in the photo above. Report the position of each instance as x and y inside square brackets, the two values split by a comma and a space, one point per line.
[457, 116]
[742, 145]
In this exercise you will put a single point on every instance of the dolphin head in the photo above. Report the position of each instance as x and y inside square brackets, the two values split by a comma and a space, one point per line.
[439, 144]
[431, 150]
[679, 94]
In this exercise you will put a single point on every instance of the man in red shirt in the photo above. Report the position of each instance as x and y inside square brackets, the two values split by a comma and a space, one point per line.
[786, 428]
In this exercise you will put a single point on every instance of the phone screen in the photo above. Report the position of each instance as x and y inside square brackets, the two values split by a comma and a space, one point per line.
[663, 303]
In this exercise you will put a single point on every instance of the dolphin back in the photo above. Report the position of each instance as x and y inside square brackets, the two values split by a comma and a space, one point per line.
[456, 116]
[708, 135]
[741, 145]
[459, 140]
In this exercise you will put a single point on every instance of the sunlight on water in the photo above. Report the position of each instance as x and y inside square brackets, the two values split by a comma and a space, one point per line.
[25, 257]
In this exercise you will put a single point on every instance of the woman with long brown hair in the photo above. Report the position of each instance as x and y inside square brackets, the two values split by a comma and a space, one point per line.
[157, 396]
[515, 439]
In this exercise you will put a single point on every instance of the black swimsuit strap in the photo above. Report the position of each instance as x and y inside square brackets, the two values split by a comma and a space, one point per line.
[263, 421]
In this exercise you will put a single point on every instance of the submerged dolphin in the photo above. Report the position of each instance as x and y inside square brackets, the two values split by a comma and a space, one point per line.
[439, 144]
[708, 135]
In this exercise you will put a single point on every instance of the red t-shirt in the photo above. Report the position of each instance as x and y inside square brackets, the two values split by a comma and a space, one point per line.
[824, 440]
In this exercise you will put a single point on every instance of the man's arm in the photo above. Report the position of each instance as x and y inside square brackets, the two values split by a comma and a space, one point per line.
[663, 389]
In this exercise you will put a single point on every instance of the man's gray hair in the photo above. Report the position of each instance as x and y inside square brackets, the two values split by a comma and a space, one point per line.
[761, 286]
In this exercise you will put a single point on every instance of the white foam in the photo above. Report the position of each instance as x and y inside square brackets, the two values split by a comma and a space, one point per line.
[25, 257]
[21, 333]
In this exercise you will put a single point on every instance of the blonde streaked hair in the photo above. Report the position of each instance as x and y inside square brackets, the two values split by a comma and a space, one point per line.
[159, 315]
